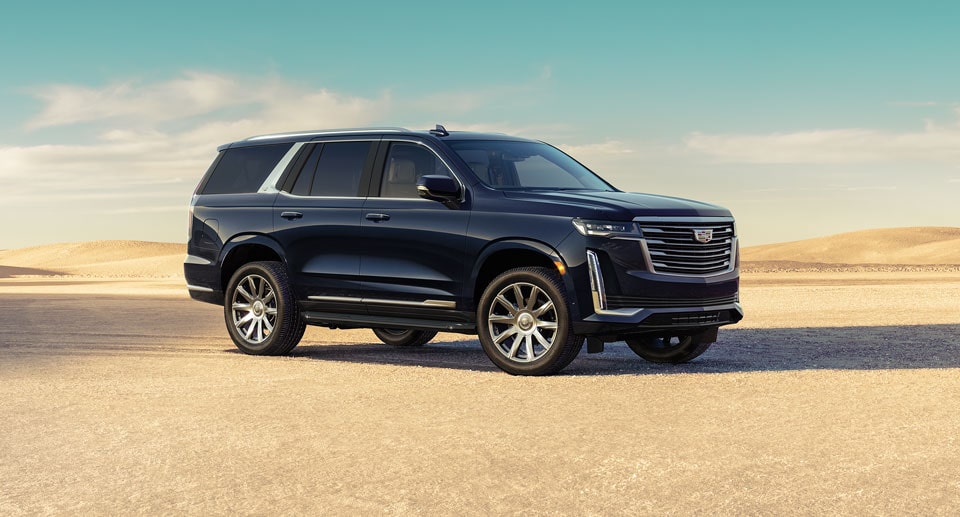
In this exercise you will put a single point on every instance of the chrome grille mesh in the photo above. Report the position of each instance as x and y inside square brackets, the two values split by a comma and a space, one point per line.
[674, 248]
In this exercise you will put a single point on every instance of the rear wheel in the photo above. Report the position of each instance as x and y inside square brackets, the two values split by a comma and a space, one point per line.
[667, 349]
[261, 313]
[524, 324]
[404, 337]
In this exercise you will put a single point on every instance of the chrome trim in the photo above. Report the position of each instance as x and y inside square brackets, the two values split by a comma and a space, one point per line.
[631, 313]
[426, 303]
[322, 132]
[442, 304]
[194, 259]
[734, 249]
[597, 290]
[199, 288]
[645, 250]
[730, 267]
[349, 299]
[268, 185]
[683, 219]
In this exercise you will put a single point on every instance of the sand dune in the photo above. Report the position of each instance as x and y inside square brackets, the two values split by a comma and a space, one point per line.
[122, 259]
[916, 246]
[899, 248]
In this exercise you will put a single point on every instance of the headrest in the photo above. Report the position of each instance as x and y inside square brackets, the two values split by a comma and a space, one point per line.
[402, 171]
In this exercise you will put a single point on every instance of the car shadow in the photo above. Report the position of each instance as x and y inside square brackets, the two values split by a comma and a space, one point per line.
[738, 350]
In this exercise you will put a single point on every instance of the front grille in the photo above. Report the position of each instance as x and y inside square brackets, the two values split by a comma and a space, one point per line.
[674, 248]
[646, 302]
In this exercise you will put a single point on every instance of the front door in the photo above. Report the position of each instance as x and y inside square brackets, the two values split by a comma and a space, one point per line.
[413, 263]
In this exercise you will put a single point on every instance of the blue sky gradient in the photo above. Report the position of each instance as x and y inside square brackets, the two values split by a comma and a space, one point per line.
[805, 119]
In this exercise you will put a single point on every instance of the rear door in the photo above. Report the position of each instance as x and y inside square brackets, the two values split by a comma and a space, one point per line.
[317, 221]
[413, 261]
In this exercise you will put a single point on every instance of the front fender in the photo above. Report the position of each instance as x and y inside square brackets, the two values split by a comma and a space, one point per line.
[543, 249]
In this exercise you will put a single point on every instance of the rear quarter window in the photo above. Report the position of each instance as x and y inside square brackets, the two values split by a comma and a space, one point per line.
[243, 169]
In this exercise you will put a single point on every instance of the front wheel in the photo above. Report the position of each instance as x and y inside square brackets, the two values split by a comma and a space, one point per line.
[668, 349]
[404, 337]
[524, 324]
[261, 313]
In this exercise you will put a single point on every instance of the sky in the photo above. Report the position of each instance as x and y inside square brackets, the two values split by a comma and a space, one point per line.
[805, 118]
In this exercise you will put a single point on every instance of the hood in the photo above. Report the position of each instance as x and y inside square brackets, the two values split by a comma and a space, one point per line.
[622, 206]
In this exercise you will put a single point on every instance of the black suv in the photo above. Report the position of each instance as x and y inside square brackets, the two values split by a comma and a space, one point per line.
[414, 232]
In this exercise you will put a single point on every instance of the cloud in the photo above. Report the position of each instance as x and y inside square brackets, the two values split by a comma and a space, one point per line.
[263, 101]
[192, 94]
[141, 148]
[136, 147]
[832, 146]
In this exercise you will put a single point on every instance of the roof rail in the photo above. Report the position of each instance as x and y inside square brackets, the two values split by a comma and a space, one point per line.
[331, 131]
[440, 131]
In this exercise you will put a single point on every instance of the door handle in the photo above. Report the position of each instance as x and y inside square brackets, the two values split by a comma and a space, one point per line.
[291, 215]
[378, 217]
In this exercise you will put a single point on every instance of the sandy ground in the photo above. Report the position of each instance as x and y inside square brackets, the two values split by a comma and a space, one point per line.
[916, 245]
[838, 394]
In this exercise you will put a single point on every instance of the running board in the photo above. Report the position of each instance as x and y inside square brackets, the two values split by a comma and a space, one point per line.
[367, 321]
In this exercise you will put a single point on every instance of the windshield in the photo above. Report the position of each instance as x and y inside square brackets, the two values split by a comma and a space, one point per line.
[510, 165]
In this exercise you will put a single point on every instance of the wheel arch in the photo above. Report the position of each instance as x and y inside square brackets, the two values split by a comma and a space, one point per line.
[244, 249]
[503, 255]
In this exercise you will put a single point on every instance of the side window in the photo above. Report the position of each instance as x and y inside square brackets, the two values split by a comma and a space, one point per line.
[305, 179]
[339, 168]
[243, 169]
[405, 164]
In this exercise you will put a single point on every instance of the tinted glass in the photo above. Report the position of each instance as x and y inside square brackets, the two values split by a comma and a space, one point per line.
[243, 169]
[305, 179]
[404, 166]
[505, 165]
[339, 169]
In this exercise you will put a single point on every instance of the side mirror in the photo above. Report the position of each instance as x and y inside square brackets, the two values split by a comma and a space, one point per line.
[439, 188]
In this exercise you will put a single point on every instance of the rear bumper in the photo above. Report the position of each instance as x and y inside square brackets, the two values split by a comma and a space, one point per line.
[205, 294]
[203, 280]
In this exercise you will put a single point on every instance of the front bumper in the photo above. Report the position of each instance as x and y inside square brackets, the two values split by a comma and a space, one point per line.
[628, 295]
[634, 321]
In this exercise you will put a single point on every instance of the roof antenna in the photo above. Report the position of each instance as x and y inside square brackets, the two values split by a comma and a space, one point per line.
[440, 131]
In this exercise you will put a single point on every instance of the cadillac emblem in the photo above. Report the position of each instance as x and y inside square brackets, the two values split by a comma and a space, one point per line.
[703, 236]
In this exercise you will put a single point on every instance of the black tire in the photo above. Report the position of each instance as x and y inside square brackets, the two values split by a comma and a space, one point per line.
[404, 337]
[267, 320]
[668, 349]
[528, 303]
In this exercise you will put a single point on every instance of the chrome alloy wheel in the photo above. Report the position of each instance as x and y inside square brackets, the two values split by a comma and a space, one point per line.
[254, 308]
[522, 322]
